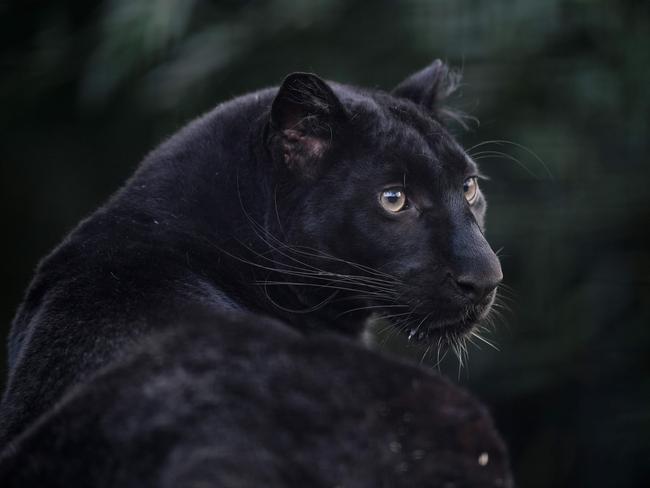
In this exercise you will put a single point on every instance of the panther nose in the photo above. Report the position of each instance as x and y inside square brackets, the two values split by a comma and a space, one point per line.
[475, 269]
[476, 286]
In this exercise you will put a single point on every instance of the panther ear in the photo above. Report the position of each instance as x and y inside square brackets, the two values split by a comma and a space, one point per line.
[430, 87]
[305, 118]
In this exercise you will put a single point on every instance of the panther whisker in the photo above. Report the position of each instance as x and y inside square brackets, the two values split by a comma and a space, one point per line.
[257, 228]
[318, 253]
[499, 154]
[304, 274]
[478, 336]
[301, 311]
[527, 150]
[415, 331]
[506, 288]
[426, 351]
[361, 267]
[397, 327]
[392, 316]
[515, 144]
[439, 360]
[470, 338]
[318, 271]
[371, 307]
[317, 285]
[313, 274]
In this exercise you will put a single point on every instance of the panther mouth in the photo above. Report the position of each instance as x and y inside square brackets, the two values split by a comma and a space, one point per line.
[445, 328]
[431, 330]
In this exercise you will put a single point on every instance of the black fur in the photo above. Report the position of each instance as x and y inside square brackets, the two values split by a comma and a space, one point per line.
[269, 205]
[204, 407]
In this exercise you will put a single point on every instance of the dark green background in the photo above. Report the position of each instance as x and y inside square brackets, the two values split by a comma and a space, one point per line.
[87, 88]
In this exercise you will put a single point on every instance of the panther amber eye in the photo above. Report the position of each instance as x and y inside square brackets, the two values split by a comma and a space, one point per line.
[393, 199]
[470, 189]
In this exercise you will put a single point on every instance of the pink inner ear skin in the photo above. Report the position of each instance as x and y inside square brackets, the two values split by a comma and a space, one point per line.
[302, 152]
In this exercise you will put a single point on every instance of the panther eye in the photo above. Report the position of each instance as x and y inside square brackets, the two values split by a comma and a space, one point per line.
[470, 189]
[393, 199]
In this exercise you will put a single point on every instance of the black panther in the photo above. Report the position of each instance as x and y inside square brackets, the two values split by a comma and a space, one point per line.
[203, 326]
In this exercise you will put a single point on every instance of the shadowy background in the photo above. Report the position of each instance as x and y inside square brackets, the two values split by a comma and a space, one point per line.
[88, 87]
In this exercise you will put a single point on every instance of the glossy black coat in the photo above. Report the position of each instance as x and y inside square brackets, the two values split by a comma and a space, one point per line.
[266, 205]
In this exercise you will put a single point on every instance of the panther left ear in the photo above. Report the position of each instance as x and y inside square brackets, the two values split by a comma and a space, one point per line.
[430, 87]
[305, 117]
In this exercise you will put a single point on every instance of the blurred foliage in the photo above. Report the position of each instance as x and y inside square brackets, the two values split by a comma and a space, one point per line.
[88, 87]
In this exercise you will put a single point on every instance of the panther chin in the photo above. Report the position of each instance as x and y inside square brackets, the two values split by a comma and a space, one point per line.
[448, 329]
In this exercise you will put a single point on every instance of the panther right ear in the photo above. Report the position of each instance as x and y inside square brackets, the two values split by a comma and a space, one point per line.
[430, 87]
[305, 117]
